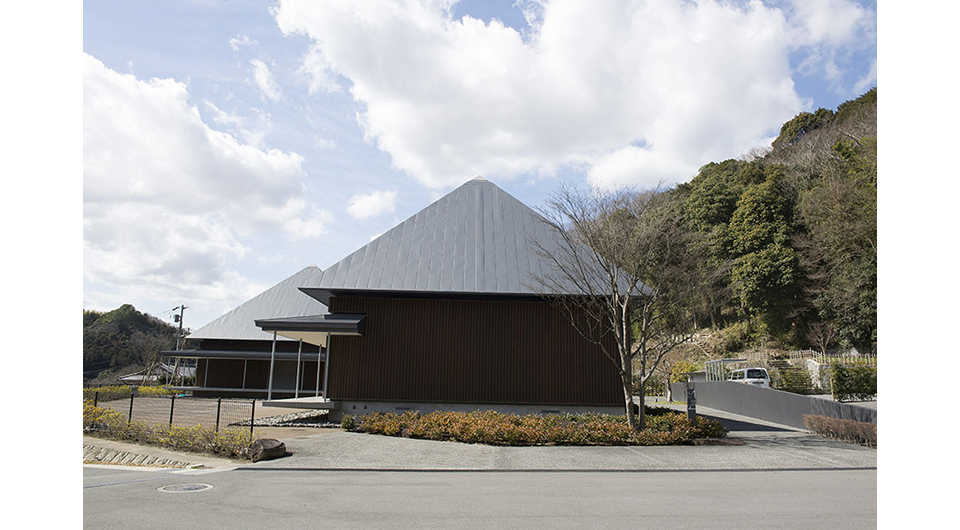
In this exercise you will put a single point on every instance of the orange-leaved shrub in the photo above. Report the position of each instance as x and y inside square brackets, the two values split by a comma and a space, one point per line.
[497, 428]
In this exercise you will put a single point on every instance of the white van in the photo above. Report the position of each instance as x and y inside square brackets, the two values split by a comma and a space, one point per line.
[751, 376]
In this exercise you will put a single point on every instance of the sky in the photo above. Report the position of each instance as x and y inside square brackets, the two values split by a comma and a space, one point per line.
[229, 144]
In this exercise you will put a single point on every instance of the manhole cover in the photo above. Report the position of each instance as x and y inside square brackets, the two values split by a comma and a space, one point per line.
[181, 488]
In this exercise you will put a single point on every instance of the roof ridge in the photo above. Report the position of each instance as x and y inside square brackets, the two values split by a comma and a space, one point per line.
[457, 243]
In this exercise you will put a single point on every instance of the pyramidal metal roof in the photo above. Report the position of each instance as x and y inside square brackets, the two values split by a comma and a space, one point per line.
[282, 300]
[476, 239]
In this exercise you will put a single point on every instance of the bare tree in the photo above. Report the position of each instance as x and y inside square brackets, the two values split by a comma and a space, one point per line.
[628, 268]
[822, 334]
[148, 347]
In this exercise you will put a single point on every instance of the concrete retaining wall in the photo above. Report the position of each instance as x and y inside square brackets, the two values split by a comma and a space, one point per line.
[770, 405]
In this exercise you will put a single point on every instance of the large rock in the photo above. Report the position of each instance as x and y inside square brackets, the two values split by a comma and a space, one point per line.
[267, 449]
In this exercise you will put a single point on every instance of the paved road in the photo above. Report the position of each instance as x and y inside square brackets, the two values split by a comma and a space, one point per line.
[258, 498]
[769, 477]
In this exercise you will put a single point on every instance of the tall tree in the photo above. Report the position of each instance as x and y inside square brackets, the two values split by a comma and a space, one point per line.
[633, 267]
[840, 242]
[766, 269]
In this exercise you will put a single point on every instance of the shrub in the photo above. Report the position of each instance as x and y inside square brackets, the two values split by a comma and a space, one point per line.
[107, 393]
[348, 423]
[496, 428]
[108, 423]
[857, 382]
[793, 379]
[859, 432]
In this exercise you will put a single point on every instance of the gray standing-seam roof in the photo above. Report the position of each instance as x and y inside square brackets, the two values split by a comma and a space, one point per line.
[476, 239]
[282, 300]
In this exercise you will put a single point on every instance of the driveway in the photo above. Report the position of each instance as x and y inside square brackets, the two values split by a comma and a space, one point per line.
[751, 444]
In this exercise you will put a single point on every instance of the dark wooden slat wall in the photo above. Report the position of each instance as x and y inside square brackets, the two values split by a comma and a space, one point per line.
[229, 373]
[468, 351]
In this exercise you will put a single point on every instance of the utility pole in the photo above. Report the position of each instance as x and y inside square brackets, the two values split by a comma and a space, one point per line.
[179, 319]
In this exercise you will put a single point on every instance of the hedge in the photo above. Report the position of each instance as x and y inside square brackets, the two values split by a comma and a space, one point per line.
[857, 382]
[859, 432]
[496, 428]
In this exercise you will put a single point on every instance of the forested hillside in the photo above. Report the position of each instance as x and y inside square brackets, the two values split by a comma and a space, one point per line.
[791, 234]
[122, 338]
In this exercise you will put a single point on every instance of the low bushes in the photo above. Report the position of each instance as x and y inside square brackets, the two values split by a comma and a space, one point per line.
[848, 430]
[231, 443]
[792, 379]
[120, 391]
[855, 382]
[496, 428]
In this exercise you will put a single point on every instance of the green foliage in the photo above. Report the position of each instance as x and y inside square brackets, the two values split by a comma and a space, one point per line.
[122, 337]
[854, 382]
[348, 422]
[790, 237]
[793, 379]
[763, 217]
[738, 336]
[681, 367]
[794, 130]
[495, 428]
[840, 243]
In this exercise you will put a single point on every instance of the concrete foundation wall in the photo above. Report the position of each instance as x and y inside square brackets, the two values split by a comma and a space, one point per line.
[770, 405]
[359, 408]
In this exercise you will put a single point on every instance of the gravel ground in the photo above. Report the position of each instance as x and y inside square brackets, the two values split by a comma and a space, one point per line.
[309, 418]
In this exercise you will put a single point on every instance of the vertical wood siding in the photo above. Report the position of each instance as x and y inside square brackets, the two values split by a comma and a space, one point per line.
[468, 351]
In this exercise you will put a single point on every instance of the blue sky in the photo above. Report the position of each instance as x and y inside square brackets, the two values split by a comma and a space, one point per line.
[228, 145]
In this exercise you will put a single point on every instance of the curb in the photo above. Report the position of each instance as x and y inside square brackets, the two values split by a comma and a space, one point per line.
[100, 455]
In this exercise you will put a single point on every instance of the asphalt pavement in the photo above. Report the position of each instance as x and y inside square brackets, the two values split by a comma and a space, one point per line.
[750, 445]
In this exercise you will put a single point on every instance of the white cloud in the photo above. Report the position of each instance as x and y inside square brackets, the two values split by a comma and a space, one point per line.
[168, 201]
[240, 41]
[372, 204]
[828, 32]
[633, 89]
[240, 126]
[264, 80]
[326, 143]
[830, 22]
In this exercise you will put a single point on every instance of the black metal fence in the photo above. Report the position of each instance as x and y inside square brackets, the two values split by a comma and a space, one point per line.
[216, 413]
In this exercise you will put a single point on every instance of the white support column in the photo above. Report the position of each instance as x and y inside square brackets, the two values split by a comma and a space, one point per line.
[326, 371]
[296, 382]
[316, 386]
[243, 383]
[273, 351]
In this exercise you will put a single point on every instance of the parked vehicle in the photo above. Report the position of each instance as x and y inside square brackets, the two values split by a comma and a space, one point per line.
[751, 376]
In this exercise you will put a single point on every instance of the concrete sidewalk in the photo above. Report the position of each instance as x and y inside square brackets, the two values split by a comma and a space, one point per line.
[751, 445]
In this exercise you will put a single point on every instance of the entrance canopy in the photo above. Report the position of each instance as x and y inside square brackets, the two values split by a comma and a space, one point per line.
[315, 329]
